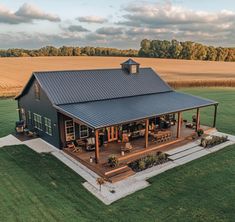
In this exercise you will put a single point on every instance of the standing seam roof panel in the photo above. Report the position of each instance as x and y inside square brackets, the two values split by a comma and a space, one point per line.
[65, 87]
[111, 112]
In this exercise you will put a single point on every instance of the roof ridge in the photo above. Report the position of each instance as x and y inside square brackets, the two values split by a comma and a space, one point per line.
[80, 70]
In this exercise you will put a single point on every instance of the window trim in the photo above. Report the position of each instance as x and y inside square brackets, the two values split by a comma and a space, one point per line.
[35, 120]
[48, 127]
[66, 127]
[80, 131]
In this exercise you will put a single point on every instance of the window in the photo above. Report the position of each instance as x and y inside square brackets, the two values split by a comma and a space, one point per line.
[37, 121]
[69, 130]
[84, 131]
[37, 91]
[47, 123]
[133, 69]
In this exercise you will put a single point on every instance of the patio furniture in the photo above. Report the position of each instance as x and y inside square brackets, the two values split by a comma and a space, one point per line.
[72, 147]
[125, 137]
[161, 136]
[127, 148]
[90, 145]
[19, 127]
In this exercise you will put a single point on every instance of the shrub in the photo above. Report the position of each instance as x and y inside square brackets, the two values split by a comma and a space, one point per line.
[141, 164]
[148, 161]
[113, 161]
[211, 141]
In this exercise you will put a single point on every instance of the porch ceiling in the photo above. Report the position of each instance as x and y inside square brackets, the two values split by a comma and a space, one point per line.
[104, 113]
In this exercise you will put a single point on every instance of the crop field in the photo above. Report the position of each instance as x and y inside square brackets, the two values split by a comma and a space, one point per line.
[14, 72]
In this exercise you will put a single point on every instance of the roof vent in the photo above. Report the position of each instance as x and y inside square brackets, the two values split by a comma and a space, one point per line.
[130, 66]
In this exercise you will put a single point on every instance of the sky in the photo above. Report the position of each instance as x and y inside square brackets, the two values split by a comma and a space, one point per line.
[120, 24]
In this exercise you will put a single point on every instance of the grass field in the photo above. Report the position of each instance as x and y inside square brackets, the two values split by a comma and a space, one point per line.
[14, 72]
[37, 187]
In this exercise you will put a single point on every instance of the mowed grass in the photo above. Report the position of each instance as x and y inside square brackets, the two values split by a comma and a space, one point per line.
[8, 116]
[38, 187]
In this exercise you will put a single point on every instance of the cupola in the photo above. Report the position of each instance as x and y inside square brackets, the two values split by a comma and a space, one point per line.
[130, 66]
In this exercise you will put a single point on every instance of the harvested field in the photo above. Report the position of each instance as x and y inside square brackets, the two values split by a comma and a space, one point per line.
[14, 72]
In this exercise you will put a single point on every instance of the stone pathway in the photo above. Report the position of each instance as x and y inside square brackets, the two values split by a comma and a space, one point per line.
[113, 192]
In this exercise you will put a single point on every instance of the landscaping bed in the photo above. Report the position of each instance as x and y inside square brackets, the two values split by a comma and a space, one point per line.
[148, 161]
[210, 141]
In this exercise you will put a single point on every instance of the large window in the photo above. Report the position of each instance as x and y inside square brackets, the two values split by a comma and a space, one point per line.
[48, 128]
[84, 131]
[69, 130]
[37, 121]
[37, 91]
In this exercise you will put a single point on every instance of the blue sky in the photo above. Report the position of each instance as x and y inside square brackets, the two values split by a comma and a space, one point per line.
[122, 23]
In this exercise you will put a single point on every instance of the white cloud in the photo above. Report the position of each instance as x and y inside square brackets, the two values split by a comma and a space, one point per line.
[92, 19]
[25, 14]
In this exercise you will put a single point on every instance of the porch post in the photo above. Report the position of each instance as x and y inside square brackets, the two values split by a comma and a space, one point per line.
[215, 115]
[179, 124]
[146, 133]
[197, 120]
[97, 152]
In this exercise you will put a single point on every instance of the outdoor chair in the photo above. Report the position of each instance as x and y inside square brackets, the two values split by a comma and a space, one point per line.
[90, 145]
[127, 148]
[72, 147]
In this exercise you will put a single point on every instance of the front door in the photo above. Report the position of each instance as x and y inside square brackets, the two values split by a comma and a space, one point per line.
[112, 133]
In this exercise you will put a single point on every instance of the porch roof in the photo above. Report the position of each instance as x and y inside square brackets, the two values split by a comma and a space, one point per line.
[104, 113]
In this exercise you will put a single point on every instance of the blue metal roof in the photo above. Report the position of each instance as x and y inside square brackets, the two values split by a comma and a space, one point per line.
[63, 87]
[99, 114]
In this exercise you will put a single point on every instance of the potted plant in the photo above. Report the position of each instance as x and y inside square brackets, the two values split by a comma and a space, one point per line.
[100, 181]
[200, 132]
[113, 161]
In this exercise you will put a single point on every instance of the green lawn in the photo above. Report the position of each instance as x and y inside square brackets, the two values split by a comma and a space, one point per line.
[36, 187]
[8, 116]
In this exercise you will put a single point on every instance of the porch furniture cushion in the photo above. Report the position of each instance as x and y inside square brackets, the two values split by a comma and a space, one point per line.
[127, 148]
[125, 138]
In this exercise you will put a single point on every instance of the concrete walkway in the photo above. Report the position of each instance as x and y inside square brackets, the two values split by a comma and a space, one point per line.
[113, 192]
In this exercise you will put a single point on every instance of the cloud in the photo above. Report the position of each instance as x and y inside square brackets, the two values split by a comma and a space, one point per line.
[25, 14]
[92, 19]
[110, 31]
[77, 28]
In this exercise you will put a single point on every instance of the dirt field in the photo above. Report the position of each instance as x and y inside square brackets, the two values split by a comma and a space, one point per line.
[14, 72]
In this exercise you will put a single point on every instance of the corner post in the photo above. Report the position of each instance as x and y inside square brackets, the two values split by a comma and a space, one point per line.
[215, 116]
[97, 152]
[179, 124]
[146, 133]
[197, 120]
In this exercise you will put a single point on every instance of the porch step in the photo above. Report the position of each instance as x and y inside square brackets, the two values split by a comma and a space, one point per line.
[121, 174]
[185, 153]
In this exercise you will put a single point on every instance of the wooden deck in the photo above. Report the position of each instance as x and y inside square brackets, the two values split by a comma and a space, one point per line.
[137, 152]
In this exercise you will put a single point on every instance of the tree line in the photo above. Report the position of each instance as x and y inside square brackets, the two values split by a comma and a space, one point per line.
[148, 48]
[69, 51]
[184, 50]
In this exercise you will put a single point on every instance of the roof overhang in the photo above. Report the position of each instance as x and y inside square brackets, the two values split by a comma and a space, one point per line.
[99, 114]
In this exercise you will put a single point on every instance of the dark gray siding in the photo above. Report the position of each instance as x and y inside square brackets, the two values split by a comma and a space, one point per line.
[44, 108]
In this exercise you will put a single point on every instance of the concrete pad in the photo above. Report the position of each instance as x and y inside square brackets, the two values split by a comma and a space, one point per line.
[9, 141]
[191, 157]
[39, 145]
[186, 152]
[182, 148]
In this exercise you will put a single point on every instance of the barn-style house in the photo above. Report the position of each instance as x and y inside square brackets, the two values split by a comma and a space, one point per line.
[92, 114]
